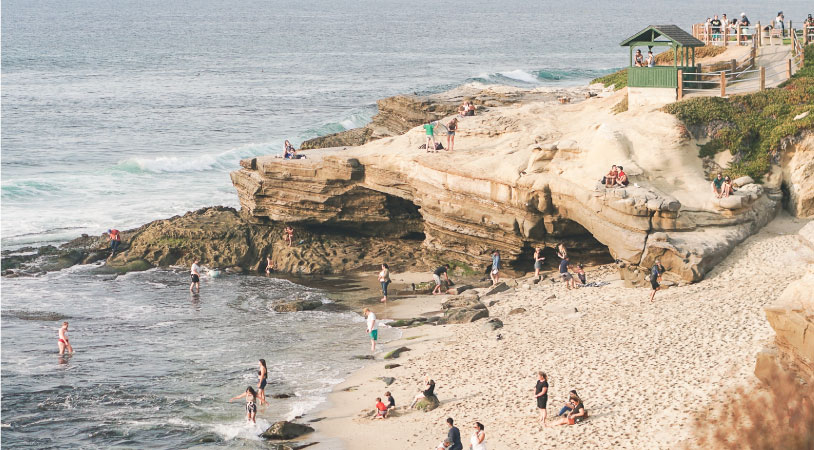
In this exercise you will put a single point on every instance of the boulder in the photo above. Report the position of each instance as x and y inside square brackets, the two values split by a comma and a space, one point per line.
[742, 181]
[387, 380]
[464, 315]
[282, 396]
[395, 353]
[427, 404]
[297, 305]
[492, 324]
[471, 302]
[460, 289]
[285, 430]
[496, 289]
[391, 366]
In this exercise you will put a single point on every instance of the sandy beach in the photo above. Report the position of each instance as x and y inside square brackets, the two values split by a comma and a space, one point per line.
[644, 370]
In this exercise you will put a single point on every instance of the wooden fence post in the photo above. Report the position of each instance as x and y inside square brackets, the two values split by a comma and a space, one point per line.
[762, 78]
[723, 84]
[734, 64]
[788, 68]
[752, 55]
[725, 34]
[680, 94]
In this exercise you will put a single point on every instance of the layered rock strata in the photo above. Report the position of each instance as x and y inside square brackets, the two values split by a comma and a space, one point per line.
[522, 176]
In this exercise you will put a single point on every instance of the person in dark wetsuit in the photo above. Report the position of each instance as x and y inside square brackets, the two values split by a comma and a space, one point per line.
[541, 394]
[251, 406]
[655, 277]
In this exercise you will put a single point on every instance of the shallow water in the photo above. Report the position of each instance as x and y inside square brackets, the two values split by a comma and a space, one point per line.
[155, 366]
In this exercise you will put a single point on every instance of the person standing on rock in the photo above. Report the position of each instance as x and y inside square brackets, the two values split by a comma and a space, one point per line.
[436, 276]
[538, 263]
[288, 235]
[655, 277]
[429, 128]
[115, 240]
[195, 274]
[384, 279]
[452, 127]
[495, 274]
[372, 329]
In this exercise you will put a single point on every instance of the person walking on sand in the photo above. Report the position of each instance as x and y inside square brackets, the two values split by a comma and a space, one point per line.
[495, 274]
[541, 394]
[655, 277]
[538, 263]
[372, 328]
[429, 128]
[384, 279]
[251, 405]
[454, 435]
[195, 274]
[452, 127]
[64, 343]
[262, 376]
[478, 440]
[115, 240]
[436, 276]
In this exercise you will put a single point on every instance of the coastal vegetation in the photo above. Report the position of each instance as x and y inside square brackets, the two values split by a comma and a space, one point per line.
[753, 127]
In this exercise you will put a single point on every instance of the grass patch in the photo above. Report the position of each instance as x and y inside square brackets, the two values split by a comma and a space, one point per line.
[620, 107]
[756, 123]
[617, 79]
[461, 267]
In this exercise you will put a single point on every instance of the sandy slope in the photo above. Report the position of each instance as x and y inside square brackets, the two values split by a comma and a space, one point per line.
[642, 369]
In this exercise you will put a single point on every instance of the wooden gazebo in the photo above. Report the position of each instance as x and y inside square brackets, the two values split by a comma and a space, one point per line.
[683, 45]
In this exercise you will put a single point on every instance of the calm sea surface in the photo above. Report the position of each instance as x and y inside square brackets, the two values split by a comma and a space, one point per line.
[116, 113]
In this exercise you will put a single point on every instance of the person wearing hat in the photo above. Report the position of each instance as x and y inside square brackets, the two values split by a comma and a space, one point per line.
[745, 20]
[779, 23]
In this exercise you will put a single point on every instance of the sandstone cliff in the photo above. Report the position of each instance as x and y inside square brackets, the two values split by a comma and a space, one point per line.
[521, 176]
[400, 113]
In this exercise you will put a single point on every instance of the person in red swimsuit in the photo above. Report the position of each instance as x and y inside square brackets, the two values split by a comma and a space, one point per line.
[64, 342]
[115, 241]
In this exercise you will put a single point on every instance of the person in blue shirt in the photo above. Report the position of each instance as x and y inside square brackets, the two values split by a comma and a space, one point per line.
[495, 274]
[655, 277]
[454, 436]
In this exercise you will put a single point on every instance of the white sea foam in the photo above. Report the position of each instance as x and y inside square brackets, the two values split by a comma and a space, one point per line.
[519, 75]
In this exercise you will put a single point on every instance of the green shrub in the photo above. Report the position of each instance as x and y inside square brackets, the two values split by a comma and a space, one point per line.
[756, 123]
[617, 79]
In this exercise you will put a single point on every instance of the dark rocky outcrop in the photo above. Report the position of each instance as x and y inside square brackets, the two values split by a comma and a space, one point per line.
[427, 404]
[298, 305]
[285, 430]
[395, 353]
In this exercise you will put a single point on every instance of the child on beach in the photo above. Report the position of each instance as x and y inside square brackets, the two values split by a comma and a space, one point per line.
[384, 279]
[251, 406]
[262, 376]
[580, 273]
[391, 402]
[655, 277]
[381, 409]
[64, 342]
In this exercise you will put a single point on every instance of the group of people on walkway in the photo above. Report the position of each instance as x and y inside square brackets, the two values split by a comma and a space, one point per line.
[716, 27]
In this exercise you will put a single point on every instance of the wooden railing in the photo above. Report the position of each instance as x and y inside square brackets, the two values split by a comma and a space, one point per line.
[753, 34]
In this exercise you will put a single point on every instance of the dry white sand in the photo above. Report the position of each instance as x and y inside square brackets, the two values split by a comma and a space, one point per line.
[642, 369]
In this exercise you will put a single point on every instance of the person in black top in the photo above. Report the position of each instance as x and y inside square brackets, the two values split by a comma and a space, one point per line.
[541, 394]
[428, 391]
[655, 276]
[577, 415]
[716, 26]
[454, 436]
[442, 270]
[391, 402]
[744, 20]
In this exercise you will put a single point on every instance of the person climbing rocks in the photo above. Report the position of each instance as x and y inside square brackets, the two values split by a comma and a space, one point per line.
[115, 240]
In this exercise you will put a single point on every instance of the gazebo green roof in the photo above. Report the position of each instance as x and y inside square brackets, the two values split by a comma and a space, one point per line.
[673, 33]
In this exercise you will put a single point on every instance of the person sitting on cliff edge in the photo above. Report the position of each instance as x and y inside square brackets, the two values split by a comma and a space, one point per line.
[621, 178]
[717, 185]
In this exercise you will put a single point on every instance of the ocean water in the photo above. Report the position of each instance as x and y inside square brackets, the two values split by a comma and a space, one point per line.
[117, 113]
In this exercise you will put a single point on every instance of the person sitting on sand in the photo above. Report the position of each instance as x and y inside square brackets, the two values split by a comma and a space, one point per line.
[621, 178]
[470, 109]
[381, 409]
[610, 178]
[727, 189]
[463, 109]
[288, 236]
[567, 278]
[717, 185]
[638, 60]
[428, 390]
[444, 445]
[538, 263]
[569, 405]
[391, 403]
[577, 415]
[655, 277]
[452, 127]
[580, 271]
[436, 276]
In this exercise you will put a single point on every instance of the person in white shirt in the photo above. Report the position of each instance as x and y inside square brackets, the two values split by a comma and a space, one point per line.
[372, 329]
[194, 272]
